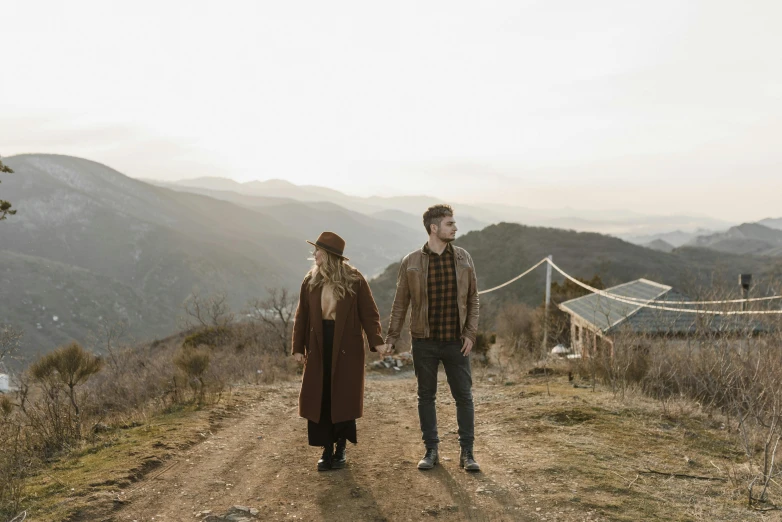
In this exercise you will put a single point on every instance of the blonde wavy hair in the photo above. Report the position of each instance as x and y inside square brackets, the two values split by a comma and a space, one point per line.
[334, 271]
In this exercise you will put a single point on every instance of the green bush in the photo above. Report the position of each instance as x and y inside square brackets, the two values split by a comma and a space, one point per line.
[67, 367]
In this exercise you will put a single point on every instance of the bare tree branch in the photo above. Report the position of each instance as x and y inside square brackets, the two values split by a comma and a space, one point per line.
[210, 311]
[276, 314]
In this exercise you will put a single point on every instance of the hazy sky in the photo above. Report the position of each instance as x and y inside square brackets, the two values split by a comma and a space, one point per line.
[659, 107]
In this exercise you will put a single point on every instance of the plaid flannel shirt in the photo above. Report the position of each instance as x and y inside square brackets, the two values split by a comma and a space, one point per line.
[442, 296]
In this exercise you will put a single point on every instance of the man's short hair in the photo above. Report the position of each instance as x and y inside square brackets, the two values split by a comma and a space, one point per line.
[435, 214]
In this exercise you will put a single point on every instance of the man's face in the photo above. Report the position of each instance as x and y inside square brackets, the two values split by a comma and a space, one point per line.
[447, 229]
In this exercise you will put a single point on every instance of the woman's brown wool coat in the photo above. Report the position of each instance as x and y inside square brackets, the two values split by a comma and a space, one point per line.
[354, 313]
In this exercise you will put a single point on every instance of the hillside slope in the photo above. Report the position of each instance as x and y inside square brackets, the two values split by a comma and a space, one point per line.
[503, 251]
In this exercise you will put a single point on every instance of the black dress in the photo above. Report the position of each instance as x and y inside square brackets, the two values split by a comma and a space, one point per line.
[325, 433]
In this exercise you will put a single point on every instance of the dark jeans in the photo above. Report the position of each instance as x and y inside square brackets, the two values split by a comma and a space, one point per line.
[426, 360]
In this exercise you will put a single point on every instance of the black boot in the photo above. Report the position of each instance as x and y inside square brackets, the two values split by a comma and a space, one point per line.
[339, 460]
[430, 459]
[326, 460]
[467, 461]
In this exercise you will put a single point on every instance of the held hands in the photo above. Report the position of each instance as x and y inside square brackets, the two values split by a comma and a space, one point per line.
[384, 349]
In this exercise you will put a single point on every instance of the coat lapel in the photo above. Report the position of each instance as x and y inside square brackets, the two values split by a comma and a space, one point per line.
[343, 309]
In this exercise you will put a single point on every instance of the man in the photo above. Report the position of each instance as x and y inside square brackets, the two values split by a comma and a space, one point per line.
[439, 280]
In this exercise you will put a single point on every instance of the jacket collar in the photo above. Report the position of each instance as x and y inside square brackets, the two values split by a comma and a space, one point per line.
[426, 250]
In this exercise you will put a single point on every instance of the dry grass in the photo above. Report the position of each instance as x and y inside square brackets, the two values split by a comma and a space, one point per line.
[680, 437]
[600, 454]
[559, 452]
[48, 419]
[85, 484]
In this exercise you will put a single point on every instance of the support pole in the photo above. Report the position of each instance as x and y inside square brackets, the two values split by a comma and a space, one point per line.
[745, 281]
[548, 300]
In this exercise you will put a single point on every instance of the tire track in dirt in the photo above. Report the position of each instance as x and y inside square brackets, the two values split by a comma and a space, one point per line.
[276, 474]
[215, 473]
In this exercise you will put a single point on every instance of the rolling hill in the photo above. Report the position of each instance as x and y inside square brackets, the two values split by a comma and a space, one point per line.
[772, 223]
[372, 241]
[748, 238]
[131, 246]
[473, 216]
[502, 251]
[92, 246]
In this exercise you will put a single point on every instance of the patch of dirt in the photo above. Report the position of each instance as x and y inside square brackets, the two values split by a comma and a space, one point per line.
[562, 457]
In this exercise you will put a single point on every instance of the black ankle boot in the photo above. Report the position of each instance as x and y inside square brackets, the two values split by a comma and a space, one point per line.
[467, 460]
[430, 460]
[326, 460]
[339, 460]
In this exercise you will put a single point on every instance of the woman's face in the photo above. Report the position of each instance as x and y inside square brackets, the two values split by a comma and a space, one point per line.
[318, 254]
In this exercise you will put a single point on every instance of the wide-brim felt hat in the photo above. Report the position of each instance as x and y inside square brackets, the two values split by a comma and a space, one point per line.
[331, 243]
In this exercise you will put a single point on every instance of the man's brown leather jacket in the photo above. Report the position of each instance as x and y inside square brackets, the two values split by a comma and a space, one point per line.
[411, 288]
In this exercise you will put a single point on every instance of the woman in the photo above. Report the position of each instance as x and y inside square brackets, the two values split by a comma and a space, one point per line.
[335, 304]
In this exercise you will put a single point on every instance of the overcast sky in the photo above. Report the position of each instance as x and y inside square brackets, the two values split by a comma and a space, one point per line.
[659, 107]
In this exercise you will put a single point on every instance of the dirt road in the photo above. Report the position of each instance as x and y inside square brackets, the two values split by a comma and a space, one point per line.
[544, 457]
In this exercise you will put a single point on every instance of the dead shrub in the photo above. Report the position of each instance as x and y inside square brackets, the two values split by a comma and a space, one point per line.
[209, 336]
[193, 363]
[15, 460]
[69, 389]
[737, 374]
[212, 310]
[275, 313]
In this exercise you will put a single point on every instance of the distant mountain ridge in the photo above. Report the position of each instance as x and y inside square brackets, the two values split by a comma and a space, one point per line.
[675, 238]
[747, 238]
[91, 246]
[605, 221]
[659, 244]
[372, 241]
[772, 223]
[81, 221]
[280, 189]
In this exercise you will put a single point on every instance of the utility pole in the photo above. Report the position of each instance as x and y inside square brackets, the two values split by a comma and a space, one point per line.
[548, 300]
[745, 280]
[545, 320]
